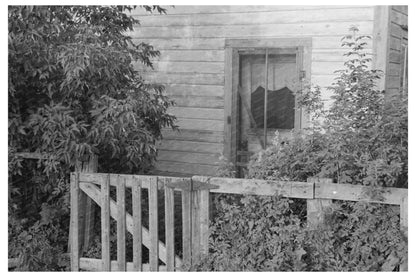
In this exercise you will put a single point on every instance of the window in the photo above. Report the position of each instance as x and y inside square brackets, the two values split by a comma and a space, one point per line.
[288, 63]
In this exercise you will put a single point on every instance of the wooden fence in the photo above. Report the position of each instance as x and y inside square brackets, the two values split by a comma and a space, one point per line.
[195, 194]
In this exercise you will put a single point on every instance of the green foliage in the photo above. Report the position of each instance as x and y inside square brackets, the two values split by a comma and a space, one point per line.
[74, 91]
[265, 234]
[360, 139]
[358, 237]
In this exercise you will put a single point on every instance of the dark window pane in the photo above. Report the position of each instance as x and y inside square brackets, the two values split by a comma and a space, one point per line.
[280, 108]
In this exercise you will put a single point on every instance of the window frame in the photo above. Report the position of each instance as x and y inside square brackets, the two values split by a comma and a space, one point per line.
[231, 74]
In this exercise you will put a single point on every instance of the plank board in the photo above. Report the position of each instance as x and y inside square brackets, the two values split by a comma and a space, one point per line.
[188, 157]
[191, 146]
[193, 135]
[204, 212]
[186, 168]
[194, 90]
[350, 192]
[182, 43]
[105, 223]
[208, 9]
[186, 225]
[200, 124]
[74, 222]
[137, 225]
[249, 17]
[184, 78]
[196, 226]
[259, 187]
[210, 102]
[197, 113]
[182, 67]
[169, 228]
[266, 30]
[121, 223]
[191, 55]
[153, 225]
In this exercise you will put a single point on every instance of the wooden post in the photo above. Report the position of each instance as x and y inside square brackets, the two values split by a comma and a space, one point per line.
[186, 224]
[204, 217]
[105, 223]
[169, 229]
[74, 222]
[153, 225]
[316, 207]
[196, 226]
[121, 223]
[404, 226]
[137, 225]
[86, 207]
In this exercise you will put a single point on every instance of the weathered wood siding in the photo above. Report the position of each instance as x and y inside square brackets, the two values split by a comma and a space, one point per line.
[397, 39]
[191, 40]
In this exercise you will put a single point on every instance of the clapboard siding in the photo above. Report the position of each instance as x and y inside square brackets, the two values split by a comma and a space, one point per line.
[188, 157]
[193, 135]
[191, 40]
[191, 44]
[184, 67]
[207, 9]
[194, 90]
[186, 168]
[267, 30]
[201, 113]
[273, 17]
[191, 146]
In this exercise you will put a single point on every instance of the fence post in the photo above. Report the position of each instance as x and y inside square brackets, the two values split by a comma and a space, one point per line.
[86, 207]
[186, 223]
[404, 225]
[200, 218]
[316, 207]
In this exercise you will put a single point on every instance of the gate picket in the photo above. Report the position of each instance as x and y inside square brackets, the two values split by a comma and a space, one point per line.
[105, 223]
[137, 225]
[169, 229]
[153, 225]
[121, 223]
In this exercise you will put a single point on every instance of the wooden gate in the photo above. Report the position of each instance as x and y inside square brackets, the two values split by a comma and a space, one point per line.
[194, 193]
[162, 257]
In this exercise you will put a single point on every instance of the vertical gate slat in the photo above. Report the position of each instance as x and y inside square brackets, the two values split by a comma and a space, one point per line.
[169, 229]
[121, 223]
[137, 225]
[196, 236]
[186, 224]
[204, 217]
[105, 223]
[153, 225]
[74, 221]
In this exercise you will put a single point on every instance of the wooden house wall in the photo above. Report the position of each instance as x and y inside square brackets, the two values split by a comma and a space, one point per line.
[397, 37]
[191, 66]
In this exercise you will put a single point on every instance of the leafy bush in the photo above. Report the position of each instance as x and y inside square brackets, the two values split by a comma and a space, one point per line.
[264, 234]
[73, 92]
[360, 139]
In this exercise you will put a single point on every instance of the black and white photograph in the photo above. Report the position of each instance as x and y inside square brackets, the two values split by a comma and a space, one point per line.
[207, 137]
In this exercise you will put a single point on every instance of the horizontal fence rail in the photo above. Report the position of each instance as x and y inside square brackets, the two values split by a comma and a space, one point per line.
[195, 205]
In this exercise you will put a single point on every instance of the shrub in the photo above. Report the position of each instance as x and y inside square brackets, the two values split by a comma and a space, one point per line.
[74, 91]
[265, 234]
[359, 139]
